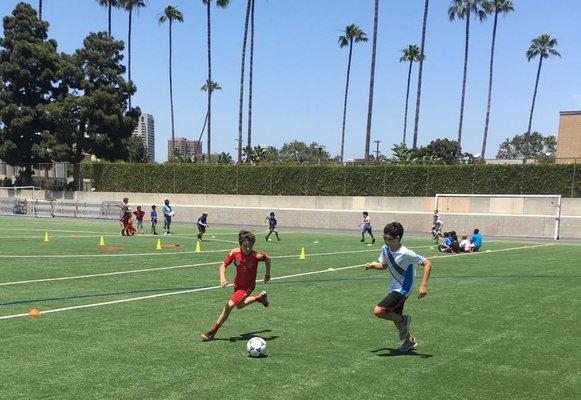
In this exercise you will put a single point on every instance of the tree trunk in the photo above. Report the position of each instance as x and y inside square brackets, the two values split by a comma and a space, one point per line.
[420, 74]
[129, 53]
[407, 98]
[251, 77]
[242, 76]
[109, 18]
[209, 23]
[371, 82]
[490, 79]
[40, 10]
[345, 102]
[171, 90]
[77, 176]
[463, 98]
[535, 94]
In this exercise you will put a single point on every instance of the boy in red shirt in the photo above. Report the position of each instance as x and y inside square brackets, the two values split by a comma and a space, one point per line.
[139, 214]
[246, 261]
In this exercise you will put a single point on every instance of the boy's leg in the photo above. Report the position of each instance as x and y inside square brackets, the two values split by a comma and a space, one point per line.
[268, 234]
[372, 237]
[362, 236]
[277, 238]
[391, 308]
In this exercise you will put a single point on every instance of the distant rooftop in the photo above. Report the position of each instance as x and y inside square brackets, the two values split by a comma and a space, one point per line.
[570, 112]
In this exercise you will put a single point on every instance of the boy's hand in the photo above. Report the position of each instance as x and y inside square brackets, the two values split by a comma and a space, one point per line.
[224, 282]
[368, 266]
[423, 292]
[266, 278]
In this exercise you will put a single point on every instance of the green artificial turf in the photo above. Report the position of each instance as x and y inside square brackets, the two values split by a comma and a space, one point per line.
[495, 325]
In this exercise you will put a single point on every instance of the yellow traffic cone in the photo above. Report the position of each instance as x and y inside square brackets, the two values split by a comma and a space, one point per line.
[158, 247]
[102, 241]
[198, 247]
[303, 255]
[46, 239]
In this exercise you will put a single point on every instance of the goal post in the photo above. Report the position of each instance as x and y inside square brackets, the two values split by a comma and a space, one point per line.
[504, 214]
[19, 200]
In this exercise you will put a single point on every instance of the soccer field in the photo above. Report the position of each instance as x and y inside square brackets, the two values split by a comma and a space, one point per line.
[124, 321]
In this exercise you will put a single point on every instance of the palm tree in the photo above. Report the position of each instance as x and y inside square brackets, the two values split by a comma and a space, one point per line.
[420, 74]
[371, 81]
[129, 5]
[463, 9]
[221, 4]
[171, 14]
[242, 76]
[543, 46]
[211, 86]
[495, 7]
[251, 75]
[352, 34]
[411, 54]
[109, 4]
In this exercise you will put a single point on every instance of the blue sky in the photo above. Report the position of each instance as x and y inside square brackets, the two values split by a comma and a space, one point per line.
[300, 70]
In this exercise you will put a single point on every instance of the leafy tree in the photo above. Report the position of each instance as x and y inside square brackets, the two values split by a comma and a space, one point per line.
[352, 34]
[371, 81]
[542, 47]
[444, 150]
[297, 152]
[109, 4]
[260, 154]
[420, 73]
[137, 150]
[411, 54]
[401, 154]
[528, 146]
[129, 6]
[224, 158]
[29, 82]
[495, 7]
[463, 9]
[171, 14]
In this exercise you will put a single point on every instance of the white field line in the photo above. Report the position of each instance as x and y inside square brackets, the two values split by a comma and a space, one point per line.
[166, 294]
[170, 253]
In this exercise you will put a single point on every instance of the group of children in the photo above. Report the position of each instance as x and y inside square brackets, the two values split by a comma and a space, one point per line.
[450, 242]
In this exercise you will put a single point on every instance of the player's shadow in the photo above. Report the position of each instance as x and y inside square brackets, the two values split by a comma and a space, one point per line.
[249, 335]
[389, 352]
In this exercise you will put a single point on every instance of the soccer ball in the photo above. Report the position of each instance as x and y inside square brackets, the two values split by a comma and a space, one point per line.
[256, 347]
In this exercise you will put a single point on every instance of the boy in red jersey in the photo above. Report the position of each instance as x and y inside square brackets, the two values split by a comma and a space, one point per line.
[246, 261]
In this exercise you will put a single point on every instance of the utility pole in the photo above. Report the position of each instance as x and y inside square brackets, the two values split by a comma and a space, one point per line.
[377, 148]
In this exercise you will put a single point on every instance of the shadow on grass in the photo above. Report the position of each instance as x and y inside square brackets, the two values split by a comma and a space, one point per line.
[395, 353]
[249, 335]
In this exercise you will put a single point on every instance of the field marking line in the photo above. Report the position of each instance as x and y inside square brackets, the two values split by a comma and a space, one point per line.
[166, 294]
[108, 255]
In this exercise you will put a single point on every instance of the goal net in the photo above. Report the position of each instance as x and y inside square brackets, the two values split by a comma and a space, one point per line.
[18, 200]
[535, 216]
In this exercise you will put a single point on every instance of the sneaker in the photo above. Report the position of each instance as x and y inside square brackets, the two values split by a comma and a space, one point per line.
[404, 326]
[278, 240]
[362, 240]
[373, 241]
[266, 238]
[208, 336]
[408, 346]
[264, 300]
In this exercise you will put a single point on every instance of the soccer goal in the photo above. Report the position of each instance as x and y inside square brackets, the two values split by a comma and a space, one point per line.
[501, 214]
[18, 200]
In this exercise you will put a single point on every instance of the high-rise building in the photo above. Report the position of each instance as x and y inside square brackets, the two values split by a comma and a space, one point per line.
[185, 147]
[569, 140]
[146, 131]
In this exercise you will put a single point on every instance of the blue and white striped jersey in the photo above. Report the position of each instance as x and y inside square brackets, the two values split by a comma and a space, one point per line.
[402, 265]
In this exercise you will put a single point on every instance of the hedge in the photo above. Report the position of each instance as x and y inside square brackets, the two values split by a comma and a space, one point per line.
[336, 180]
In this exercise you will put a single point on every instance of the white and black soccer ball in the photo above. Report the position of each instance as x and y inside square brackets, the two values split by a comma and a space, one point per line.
[256, 347]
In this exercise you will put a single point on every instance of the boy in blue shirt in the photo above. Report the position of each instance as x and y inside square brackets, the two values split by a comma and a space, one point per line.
[202, 225]
[476, 240]
[167, 214]
[272, 226]
[153, 216]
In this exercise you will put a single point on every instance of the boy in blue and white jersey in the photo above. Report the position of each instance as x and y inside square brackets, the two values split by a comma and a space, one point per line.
[272, 222]
[401, 263]
[167, 214]
[153, 216]
[202, 225]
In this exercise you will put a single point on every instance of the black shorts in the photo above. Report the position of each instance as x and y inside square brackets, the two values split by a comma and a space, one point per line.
[394, 302]
[201, 229]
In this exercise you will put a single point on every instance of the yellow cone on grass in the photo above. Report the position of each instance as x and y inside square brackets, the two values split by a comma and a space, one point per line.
[158, 247]
[102, 241]
[198, 247]
[46, 239]
[303, 255]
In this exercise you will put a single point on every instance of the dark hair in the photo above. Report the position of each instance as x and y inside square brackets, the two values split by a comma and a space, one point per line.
[365, 213]
[246, 236]
[446, 234]
[272, 213]
[153, 206]
[476, 230]
[394, 229]
[139, 207]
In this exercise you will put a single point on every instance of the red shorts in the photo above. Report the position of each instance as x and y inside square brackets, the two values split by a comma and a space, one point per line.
[240, 294]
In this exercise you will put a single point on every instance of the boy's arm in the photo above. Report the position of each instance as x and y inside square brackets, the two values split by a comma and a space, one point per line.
[375, 265]
[424, 285]
[223, 280]
[268, 264]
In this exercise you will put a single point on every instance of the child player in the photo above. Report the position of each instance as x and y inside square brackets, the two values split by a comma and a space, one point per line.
[366, 222]
[139, 214]
[272, 226]
[202, 225]
[401, 263]
[246, 261]
[153, 216]
[437, 227]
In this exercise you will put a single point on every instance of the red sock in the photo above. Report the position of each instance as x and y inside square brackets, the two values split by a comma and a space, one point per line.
[216, 327]
[259, 298]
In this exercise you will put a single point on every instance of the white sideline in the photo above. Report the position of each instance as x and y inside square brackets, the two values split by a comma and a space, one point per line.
[217, 287]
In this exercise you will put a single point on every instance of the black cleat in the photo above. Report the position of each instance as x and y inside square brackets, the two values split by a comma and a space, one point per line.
[373, 241]
[264, 300]
[208, 336]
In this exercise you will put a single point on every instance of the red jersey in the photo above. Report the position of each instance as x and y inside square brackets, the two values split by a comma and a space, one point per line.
[139, 214]
[246, 268]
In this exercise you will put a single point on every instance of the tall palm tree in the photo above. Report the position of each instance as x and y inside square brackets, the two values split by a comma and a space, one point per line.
[109, 4]
[130, 5]
[495, 7]
[40, 10]
[463, 9]
[251, 75]
[411, 54]
[542, 47]
[221, 4]
[352, 34]
[171, 14]
[420, 74]
[371, 81]
[242, 76]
